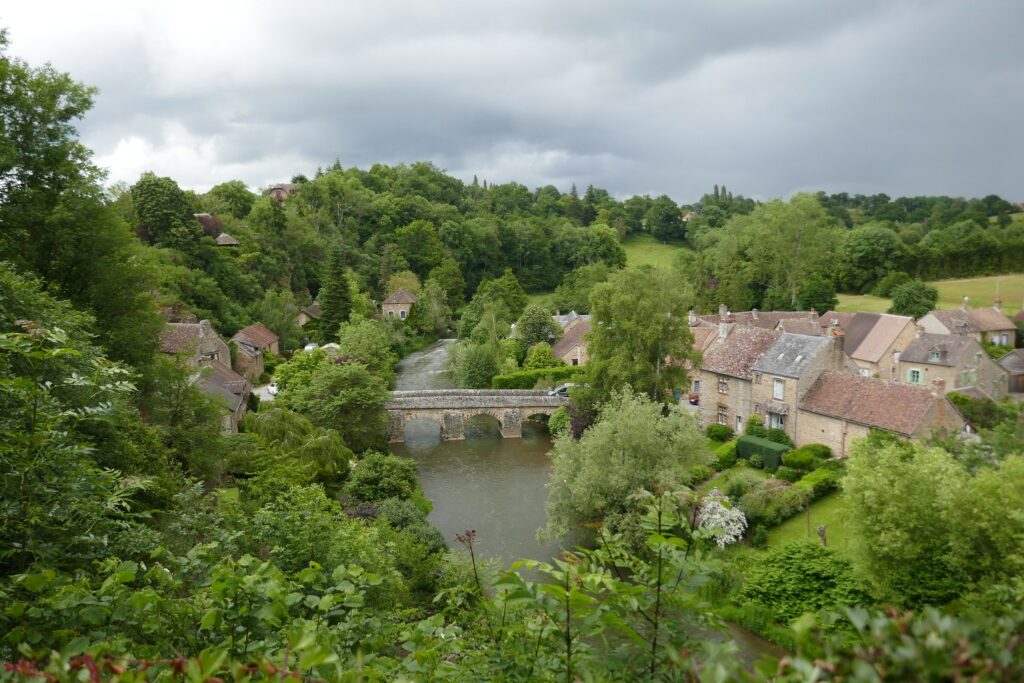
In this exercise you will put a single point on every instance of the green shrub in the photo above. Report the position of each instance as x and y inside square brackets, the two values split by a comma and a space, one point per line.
[833, 465]
[789, 474]
[720, 433]
[770, 452]
[378, 477]
[527, 379]
[700, 473]
[771, 502]
[779, 436]
[756, 461]
[758, 536]
[801, 459]
[738, 482]
[725, 456]
[755, 426]
[819, 450]
[559, 421]
[890, 282]
[819, 482]
[400, 513]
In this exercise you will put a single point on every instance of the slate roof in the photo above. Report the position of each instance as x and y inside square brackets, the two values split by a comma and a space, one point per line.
[899, 408]
[951, 348]
[976, 319]
[572, 337]
[1013, 362]
[736, 354]
[313, 310]
[565, 319]
[844, 318]
[791, 354]
[801, 326]
[256, 335]
[179, 337]
[400, 297]
[868, 335]
[222, 382]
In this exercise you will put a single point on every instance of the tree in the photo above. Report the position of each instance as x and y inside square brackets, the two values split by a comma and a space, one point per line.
[405, 279]
[232, 197]
[421, 246]
[632, 447]
[166, 212]
[540, 356]
[574, 292]
[278, 311]
[431, 313]
[536, 325]
[476, 365]
[664, 220]
[819, 294]
[335, 296]
[449, 276]
[368, 342]
[915, 299]
[867, 255]
[348, 398]
[640, 335]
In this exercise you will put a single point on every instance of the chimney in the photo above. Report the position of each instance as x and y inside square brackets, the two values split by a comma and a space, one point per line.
[723, 310]
[938, 387]
[725, 325]
[691, 317]
[963, 304]
[753, 313]
[961, 329]
[838, 345]
[998, 304]
[918, 331]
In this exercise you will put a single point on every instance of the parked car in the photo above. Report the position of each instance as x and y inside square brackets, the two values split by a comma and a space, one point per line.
[272, 389]
[310, 347]
[561, 390]
[694, 399]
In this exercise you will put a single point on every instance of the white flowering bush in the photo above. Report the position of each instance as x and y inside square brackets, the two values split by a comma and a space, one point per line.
[723, 522]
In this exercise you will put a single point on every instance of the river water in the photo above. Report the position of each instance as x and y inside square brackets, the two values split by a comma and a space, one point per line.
[495, 486]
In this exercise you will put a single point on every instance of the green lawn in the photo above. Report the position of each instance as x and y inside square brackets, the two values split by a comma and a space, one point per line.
[981, 291]
[826, 511]
[721, 481]
[862, 302]
[644, 250]
[540, 298]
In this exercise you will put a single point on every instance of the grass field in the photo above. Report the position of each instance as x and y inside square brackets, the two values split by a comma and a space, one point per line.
[982, 291]
[722, 480]
[826, 511]
[645, 250]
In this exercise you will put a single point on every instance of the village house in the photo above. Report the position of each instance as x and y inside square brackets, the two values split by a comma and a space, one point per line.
[250, 344]
[840, 407]
[571, 347]
[308, 314]
[955, 363]
[200, 348]
[282, 191]
[726, 373]
[787, 370]
[565, 319]
[874, 341]
[766, 320]
[984, 324]
[398, 305]
[1013, 364]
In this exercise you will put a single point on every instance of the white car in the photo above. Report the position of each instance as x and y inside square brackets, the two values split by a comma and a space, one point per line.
[561, 390]
[310, 347]
[272, 389]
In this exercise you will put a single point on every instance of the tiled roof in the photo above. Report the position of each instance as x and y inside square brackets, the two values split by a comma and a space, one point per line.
[1013, 362]
[256, 335]
[703, 337]
[791, 354]
[880, 338]
[950, 348]
[842, 317]
[179, 337]
[899, 408]
[313, 310]
[572, 337]
[221, 381]
[736, 354]
[400, 297]
[800, 326]
[226, 240]
[976, 319]
[767, 320]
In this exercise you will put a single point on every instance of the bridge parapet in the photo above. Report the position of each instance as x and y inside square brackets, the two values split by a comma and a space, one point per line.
[450, 408]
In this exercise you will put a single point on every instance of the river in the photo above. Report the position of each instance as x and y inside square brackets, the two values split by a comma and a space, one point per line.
[495, 486]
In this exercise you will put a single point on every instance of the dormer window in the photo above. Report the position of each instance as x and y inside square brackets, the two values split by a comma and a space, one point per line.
[934, 356]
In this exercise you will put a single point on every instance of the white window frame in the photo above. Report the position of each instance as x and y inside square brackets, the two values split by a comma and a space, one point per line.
[778, 389]
[723, 385]
[915, 376]
[776, 421]
[723, 415]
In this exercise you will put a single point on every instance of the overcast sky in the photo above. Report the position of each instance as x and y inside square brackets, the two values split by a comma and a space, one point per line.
[767, 97]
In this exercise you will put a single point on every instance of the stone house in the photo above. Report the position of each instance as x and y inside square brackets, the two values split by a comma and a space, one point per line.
[787, 370]
[953, 363]
[1013, 364]
[282, 191]
[398, 305]
[981, 323]
[726, 373]
[571, 347]
[766, 320]
[308, 314]
[251, 343]
[200, 348]
[841, 407]
[874, 341]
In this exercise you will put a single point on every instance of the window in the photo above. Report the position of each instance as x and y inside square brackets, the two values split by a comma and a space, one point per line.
[934, 356]
[757, 378]
[575, 361]
[696, 386]
[391, 314]
[914, 377]
[723, 415]
[723, 386]
[864, 372]
[778, 389]
[401, 314]
[776, 421]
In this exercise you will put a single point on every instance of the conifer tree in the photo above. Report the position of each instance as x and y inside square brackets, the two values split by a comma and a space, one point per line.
[335, 297]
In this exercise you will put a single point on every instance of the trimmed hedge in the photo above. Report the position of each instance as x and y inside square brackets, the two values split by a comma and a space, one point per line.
[719, 433]
[725, 456]
[770, 452]
[819, 482]
[801, 459]
[527, 379]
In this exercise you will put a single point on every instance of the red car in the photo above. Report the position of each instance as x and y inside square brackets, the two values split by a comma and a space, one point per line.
[694, 399]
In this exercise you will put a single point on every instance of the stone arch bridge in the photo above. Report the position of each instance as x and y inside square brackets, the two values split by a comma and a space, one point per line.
[450, 408]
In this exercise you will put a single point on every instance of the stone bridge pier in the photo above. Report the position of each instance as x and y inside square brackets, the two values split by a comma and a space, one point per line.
[450, 409]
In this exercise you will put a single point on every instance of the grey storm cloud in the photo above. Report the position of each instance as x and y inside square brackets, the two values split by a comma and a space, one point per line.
[768, 98]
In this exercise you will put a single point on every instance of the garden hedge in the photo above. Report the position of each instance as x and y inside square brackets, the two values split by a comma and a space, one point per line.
[769, 451]
[527, 379]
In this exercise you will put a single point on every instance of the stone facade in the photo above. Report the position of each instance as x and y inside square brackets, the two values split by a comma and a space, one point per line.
[725, 400]
[970, 368]
[248, 361]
